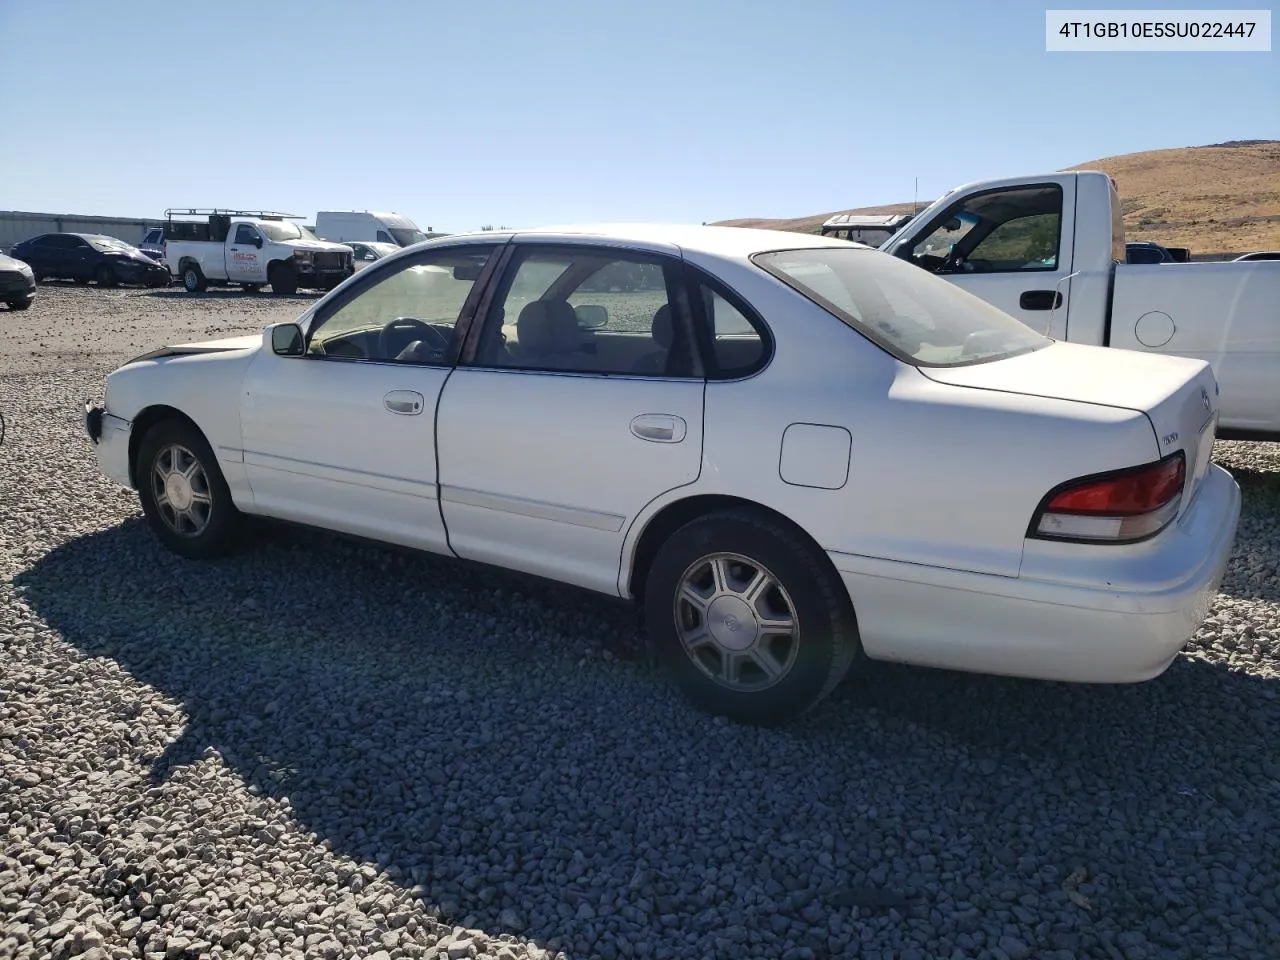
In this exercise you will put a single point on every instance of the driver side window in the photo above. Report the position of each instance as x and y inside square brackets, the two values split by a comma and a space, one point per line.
[407, 315]
[1001, 231]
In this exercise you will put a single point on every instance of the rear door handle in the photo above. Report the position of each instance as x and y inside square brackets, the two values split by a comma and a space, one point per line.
[659, 427]
[1040, 299]
[406, 402]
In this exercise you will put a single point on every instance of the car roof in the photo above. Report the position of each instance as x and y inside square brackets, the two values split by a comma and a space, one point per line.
[714, 240]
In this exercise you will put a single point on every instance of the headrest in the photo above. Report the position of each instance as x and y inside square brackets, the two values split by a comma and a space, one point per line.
[548, 326]
[663, 327]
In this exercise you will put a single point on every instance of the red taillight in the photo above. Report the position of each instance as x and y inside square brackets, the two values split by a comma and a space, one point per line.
[1116, 507]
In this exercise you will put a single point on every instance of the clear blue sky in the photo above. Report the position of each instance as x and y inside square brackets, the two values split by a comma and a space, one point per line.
[521, 112]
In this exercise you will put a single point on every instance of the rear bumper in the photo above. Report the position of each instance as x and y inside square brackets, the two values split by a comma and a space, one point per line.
[1113, 631]
[110, 437]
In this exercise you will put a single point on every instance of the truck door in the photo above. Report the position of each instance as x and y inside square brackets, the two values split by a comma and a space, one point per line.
[1010, 245]
[245, 260]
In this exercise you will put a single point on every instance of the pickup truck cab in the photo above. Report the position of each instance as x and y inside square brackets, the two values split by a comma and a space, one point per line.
[251, 248]
[1050, 250]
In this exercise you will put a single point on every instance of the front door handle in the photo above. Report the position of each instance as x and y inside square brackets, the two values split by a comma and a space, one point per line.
[659, 427]
[406, 402]
[1040, 299]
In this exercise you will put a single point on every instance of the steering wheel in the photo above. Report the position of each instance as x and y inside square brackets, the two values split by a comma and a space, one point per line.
[386, 344]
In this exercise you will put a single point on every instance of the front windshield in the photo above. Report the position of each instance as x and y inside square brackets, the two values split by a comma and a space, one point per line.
[104, 243]
[283, 230]
[404, 236]
[919, 318]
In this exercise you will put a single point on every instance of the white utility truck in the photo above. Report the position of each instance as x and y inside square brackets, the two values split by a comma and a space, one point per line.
[250, 248]
[369, 227]
[1050, 250]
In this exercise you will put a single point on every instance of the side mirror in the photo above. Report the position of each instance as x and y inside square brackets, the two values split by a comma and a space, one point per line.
[591, 316]
[286, 339]
[468, 271]
[953, 224]
[257, 242]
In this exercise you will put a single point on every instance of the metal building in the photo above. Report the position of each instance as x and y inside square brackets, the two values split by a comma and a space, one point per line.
[18, 225]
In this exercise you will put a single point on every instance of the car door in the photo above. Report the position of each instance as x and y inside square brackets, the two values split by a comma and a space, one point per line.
[578, 401]
[42, 256]
[244, 258]
[343, 436]
[1011, 246]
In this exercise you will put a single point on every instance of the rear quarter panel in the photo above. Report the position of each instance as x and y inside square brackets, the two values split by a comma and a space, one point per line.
[938, 475]
[1227, 314]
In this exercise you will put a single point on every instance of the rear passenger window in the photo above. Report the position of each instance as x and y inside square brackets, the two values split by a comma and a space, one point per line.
[739, 342]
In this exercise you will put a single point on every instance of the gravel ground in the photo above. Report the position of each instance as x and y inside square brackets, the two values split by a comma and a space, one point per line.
[325, 749]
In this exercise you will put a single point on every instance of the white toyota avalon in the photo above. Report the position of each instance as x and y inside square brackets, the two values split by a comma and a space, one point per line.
[794, 451]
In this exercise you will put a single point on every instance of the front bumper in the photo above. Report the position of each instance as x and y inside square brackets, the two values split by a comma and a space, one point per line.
[110, 437]
[17, 286]
[1113, 630]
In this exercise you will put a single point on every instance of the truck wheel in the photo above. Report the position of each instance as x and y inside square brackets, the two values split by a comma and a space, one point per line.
[749, 618]
[284, 279]
[184, 495]
[193, 279]
[105, 276]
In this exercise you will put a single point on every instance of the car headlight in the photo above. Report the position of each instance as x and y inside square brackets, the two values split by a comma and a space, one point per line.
[25, 268]
[302, 254]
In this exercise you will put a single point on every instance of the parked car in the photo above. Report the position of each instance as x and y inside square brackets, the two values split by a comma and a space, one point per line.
[250, 248]
[792, 450]
[1051, 251]
[153, 244]
[108, 261]
[366, 253]
[17, 283]
[1144, 251]
[341, 226]
[1260, 255]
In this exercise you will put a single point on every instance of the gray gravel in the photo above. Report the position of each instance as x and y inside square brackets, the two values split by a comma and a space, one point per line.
[325, 749]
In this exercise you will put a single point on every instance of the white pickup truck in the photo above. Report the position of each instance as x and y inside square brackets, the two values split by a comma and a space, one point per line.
[1050, 250]
[250, 248]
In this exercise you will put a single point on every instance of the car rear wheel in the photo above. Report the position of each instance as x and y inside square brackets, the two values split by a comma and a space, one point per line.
[749, 618]
[105, 275]
[183, 493]
[284, 279]
[21, 304]
[193, 280]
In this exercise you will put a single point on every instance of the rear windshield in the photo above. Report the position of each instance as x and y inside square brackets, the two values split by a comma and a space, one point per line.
[919, 318]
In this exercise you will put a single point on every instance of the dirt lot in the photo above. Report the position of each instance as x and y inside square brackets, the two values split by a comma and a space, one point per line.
[319, 749]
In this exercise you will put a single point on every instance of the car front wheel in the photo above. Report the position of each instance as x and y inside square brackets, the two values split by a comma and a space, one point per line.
[183, 493]
[749, 618]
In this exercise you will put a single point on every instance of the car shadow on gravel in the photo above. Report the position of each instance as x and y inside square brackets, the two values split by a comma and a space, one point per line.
[467, 730]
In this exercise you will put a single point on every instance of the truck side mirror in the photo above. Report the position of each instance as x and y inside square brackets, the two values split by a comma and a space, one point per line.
[286, 340]
[257, 242]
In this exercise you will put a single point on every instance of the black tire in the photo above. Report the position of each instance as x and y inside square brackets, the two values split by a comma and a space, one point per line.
[21, 304]
[105, 276]
[193, 279]
[284, 279]
[223, 523]
[818, 654]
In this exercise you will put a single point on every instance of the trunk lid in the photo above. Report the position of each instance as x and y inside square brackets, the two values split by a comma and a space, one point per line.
[1179, 395]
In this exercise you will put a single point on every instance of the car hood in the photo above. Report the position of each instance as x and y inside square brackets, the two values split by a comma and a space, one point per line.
[11, 263]
[1179, 395]
[323, 246]
[248, 342]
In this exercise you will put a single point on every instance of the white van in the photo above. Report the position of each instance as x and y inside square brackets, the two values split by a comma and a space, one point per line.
[370, 227]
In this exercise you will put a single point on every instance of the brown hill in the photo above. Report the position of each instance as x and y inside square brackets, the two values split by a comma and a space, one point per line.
[1216, 199]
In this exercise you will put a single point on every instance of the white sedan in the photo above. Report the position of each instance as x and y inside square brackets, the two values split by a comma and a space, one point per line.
[794, 451]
